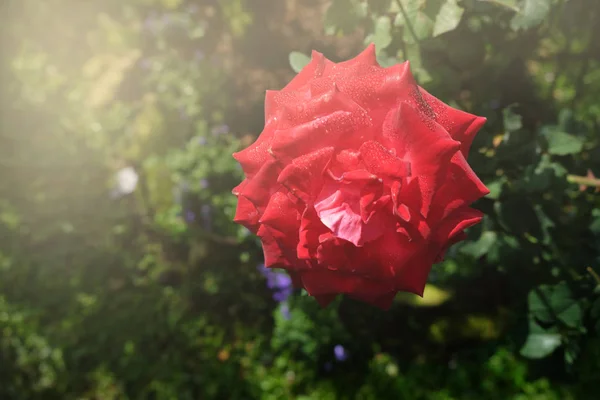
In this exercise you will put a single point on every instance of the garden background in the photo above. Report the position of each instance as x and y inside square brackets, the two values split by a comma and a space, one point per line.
[122, 275]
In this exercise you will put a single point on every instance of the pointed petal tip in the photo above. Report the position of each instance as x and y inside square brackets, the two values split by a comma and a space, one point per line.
[368, 55]
[325, 299]
[316, 56]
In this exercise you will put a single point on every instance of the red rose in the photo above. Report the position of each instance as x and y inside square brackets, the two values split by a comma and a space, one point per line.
[359, 181]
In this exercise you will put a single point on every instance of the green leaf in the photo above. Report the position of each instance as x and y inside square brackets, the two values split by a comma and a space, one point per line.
[495, 188]
[561, 143]
[381, 36]
[448, 18]
[344, 16]
[572, 351]
[411, 7]
[532, 13]
[298, 60]
[386, 60]
[413, 53]
[549, 302]
[421, 23]
[595, 226]
[511, 4]
[512, 121]
[482, 246]
[540, 343]
[541, 177]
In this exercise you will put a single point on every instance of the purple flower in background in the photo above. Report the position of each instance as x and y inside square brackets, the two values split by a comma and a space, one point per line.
[340, 353]
[203, 183]
[282, 295]
[190, 216]
[280, 283]
[220, 130]
[263, 270]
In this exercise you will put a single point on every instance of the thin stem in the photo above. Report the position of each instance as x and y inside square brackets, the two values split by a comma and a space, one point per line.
[408, 23]
[584, 180]
[594, 275]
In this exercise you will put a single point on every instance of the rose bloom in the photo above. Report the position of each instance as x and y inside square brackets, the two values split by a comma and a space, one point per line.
[359, 182]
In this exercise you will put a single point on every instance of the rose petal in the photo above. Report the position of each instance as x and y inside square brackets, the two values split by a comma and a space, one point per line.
[281, 214]
[260, 188]
[246, 214]
[338, 208]
[313, 69]
[381, 162]
[461, 125]
[304, 176]
[256, 155]
[330, 282]
[423, 143]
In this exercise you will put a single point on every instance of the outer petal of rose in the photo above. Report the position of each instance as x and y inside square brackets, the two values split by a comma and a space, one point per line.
[455, 223]
[281, 214]
[349, 74]
[325, 299]
[366, 58]
[275, 254]
[459, 237]
[275, 101]
[313, 69]
[318, 282]
[423, 143]
[304, 175]
[461, 187]
[322, 101]
[382, 87]
[246, 214]
[259, 189]
[461, 125]
[253, 157]
[364, 63]
[412, 277]
[451, 230]
[342, 126]
[387, 256]
[239, 188]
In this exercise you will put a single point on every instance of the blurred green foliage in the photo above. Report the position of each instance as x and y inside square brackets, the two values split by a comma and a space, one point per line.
[123, 277]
